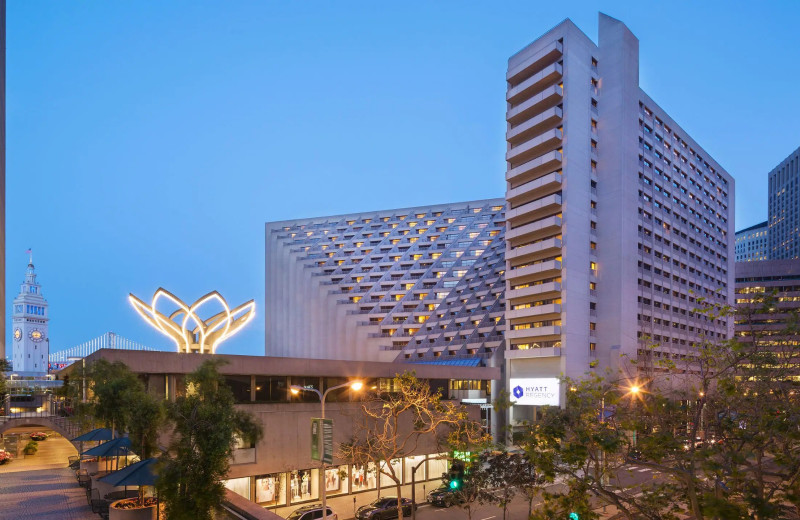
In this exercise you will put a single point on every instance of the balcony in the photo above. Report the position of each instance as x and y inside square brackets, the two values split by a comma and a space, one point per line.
[533, 189]
[532, 231]
[549, 97]
[540, 144]
[542, 333]
[534, 168]
[550, 118]
[538, 250]
[535, 272]
[541, 291]
[549, 311]
[536, 209]
[533, 353]
[548, 54]
[547, 76]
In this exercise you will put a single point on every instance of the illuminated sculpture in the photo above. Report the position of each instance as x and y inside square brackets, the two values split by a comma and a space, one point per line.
[205, 335]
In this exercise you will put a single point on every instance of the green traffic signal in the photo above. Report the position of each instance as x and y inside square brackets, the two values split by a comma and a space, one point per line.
[574, 516]
[455, 484]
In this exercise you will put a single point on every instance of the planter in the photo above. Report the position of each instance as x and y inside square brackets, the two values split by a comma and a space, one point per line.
[139, 513]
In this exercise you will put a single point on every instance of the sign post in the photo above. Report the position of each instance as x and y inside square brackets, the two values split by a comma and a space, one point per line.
[327, 441]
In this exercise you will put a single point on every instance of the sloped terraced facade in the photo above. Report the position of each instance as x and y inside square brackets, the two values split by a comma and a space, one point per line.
[420, 284]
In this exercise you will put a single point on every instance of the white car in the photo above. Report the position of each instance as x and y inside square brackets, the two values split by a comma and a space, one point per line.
[313, 512]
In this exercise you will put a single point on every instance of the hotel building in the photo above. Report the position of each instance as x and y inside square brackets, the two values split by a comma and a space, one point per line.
[417, 284]
[617, 220]
[784, 208]
[752, 243]
[614, 223]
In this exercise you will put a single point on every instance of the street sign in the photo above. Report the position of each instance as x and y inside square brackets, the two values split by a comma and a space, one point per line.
[314, 439]
[322, 427]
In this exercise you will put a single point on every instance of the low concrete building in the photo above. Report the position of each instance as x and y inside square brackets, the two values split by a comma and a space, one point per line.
[278, 472]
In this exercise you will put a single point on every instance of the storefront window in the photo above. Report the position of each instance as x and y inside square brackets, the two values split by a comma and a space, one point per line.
[437, 466]
[271, 490]
[240, 486]
[410, 462]
[336, 480]
[386, 480]
[362, 477]
[304, 485]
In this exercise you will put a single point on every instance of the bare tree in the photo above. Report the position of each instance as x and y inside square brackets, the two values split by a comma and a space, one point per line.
[398, 422]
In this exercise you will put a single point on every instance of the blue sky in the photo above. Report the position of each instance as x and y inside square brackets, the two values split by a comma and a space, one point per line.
[148, 142]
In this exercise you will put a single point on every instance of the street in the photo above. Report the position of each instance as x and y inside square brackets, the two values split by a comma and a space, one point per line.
[518, 509]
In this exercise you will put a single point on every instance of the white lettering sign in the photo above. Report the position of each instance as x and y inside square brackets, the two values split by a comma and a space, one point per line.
[544, 391]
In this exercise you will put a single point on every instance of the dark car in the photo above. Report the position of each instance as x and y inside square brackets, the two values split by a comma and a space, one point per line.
[313, 512]
[444, 497]
[383, 508]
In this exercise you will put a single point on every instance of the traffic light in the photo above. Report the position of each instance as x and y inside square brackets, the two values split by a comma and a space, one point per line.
[455, 476]
[574, 516]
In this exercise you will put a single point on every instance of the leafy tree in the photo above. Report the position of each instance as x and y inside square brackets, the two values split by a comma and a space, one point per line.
[5, 366]
[146, 420]
[718, 419]
[474, 488]
[502, 472]
[116, 391]
[206, 425]
[394, 423]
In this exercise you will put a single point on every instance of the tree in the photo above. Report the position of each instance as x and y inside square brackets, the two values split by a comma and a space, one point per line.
[394, 423]
[116, 391]
[146, 420]
[502, 472]
[474, 488]
[719, 419]
[5, 366]
[206, 426]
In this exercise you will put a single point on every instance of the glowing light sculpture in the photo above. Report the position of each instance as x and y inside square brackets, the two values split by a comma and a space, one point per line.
[204, 335]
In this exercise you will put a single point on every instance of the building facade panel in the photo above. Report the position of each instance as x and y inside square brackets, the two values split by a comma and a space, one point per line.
[784, 208]
[752, 244]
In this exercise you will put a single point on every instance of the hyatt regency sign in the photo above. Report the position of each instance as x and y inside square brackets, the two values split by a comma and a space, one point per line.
[542, 391]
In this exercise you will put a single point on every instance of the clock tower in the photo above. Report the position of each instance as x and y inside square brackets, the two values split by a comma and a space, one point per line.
[29, 328]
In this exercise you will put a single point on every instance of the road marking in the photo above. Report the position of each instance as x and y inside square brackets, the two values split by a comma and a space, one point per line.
[489, 517]
[642, 470]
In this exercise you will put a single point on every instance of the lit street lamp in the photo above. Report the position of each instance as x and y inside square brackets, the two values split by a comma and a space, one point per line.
[355, 386]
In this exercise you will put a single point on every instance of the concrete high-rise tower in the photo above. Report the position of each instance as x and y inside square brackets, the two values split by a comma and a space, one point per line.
[617, 220]
[29, 328]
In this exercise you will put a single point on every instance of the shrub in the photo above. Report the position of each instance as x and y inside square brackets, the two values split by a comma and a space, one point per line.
[5, 457]
[31, 448]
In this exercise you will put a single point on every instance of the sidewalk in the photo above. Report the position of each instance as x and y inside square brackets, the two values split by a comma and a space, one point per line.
[50, 494]
[52, 454]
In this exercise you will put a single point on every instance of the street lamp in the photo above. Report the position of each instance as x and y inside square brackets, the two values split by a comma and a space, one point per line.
[295, 389]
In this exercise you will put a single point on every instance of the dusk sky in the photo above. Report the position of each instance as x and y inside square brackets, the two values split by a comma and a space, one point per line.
[149, 142]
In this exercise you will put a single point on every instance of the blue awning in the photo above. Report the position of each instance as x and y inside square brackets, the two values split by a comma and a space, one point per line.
[471, 362]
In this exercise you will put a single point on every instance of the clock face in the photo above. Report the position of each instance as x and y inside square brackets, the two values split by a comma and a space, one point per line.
[17, 334]
[36, 335]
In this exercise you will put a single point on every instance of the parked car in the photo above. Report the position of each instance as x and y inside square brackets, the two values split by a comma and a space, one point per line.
[313, 512]
[444, 497]
[383, 508]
